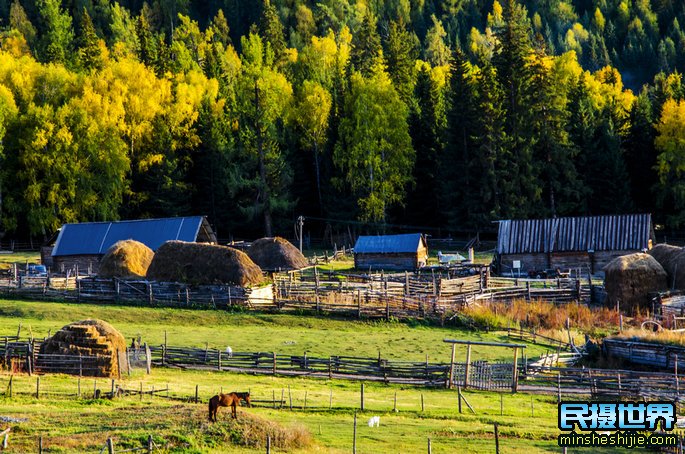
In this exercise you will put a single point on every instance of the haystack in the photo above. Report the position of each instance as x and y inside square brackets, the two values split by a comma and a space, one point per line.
[97, 348]
[196, 263]
[275, 254]
[126, 259]
[631, 278]
[672, 259]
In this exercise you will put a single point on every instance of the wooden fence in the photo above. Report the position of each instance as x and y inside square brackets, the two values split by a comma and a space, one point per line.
[663, 356]
[604, 383]
[401, 295]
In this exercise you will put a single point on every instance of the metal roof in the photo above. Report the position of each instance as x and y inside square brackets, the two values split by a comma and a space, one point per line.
[408, 242]
[96, 237]
[598, 233]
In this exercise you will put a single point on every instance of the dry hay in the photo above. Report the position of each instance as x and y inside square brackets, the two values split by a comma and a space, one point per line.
[672, 259]
[275, 254]
[629, 279]
[126, 259]
[251, 430]
[102, 349]
[197, 263]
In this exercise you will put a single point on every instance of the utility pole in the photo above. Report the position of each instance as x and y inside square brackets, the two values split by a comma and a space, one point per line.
[300, 221]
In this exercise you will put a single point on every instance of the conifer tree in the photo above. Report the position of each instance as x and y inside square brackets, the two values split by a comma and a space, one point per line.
[402, 50]
[366, 46]
[58, 36]
[90, 54]
[271, 30]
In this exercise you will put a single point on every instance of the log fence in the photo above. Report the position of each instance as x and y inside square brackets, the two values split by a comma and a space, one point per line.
[398, 295]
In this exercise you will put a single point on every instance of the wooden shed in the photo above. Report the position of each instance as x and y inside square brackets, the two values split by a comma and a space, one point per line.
[83, 245]
[574, 243]
[391, 252]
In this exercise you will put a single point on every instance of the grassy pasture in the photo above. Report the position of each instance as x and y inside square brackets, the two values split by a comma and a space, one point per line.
[283, 334]
[72, 425]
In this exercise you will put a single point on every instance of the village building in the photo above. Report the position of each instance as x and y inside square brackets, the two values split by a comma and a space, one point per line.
[580, 244]
[391, 252]
[83, 245]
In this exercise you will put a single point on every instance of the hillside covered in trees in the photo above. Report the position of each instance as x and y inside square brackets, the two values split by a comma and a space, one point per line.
[437, 113]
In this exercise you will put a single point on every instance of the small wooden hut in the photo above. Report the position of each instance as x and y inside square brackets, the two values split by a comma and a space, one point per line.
[391, 252]
[585, 243]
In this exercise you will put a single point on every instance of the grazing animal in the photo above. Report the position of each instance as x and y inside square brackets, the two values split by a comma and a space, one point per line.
[375, 421]
[227, 400]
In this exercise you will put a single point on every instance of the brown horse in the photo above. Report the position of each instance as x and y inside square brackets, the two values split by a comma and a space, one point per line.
[227, 400]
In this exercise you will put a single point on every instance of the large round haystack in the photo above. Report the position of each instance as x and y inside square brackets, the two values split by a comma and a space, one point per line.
[672, 259]
[96, 348]
[126, 259]
[631, 278]
[197, 263]
[274, 254]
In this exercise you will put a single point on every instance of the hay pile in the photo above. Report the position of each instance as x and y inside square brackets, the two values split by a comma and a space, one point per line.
[196, 263]
[101, 346]
[630, 279]
[274, 254]
[672, 259]
[126, 259]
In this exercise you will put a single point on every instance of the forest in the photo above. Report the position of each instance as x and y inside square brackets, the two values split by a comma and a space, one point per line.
[441, 114]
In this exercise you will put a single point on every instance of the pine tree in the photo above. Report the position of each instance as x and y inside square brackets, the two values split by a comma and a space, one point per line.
[457, 183]
[20, 21]
[90, 54]
[641, 153]
[271, 30]
[366, 46]
[58, 36]
[402, 50]
[426, 123]
[147, 51]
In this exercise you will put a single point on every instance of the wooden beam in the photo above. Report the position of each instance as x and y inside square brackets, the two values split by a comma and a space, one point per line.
[489, 344]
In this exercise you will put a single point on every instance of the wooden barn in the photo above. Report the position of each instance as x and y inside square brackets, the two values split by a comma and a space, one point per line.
[84, 244]
[586, 243]
[391, 252]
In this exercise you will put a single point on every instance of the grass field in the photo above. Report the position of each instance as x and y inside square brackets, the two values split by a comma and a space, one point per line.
[527, 424]
[284, 334]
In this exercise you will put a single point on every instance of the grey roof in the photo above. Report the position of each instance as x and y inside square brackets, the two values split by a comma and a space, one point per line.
[91, 238]
[408, 242]
[598, 233]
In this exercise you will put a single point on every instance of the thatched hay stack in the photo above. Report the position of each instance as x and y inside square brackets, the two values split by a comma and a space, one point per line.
[672, 259]
[126, 259]
[101, 347]
[197, 263]
[630, 278]
[275, 254]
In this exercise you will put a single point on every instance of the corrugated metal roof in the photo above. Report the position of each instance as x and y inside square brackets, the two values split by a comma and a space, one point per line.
[598, 233]
[408, 242]
[96, 237]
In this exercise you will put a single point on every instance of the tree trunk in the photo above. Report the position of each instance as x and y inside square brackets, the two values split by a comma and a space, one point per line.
[266, 200]
[318, 177]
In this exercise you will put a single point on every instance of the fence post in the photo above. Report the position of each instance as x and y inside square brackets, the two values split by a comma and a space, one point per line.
[430, 451]
[359, 303]
[467, 366]
[459, 397]
[268, 444]
[196, 393]
[422, 407]
[362, 397]
[40, 445]
[290, 398]
[515, 372]
[218, 363]
[316, 288]
[37, 387]
[274, 368]
[79, 387]
[394, 408]
[354, 434]
[110, 446]
[148, 359]
[496, 440]
[149, 444]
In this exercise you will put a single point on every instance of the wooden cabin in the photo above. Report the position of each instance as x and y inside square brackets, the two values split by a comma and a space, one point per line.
[585, 243]
[391, 252]
[83, 245]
